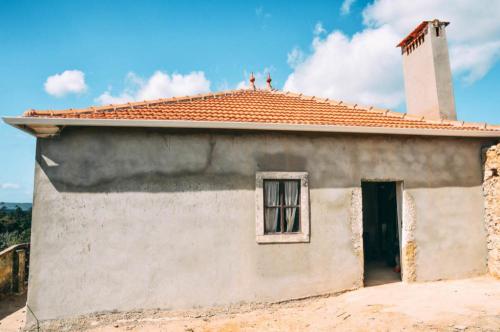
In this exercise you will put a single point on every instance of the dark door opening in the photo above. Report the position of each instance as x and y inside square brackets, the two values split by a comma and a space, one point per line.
[380, 233]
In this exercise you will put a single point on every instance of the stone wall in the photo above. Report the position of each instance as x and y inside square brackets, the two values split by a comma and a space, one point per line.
[408, 243]
[13, 269]
[491, 189]
[6, 265]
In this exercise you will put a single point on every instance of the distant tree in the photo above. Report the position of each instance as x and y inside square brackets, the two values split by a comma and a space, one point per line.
[15, 226]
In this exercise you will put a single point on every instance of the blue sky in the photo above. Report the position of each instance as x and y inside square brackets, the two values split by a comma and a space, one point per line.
[222, 41]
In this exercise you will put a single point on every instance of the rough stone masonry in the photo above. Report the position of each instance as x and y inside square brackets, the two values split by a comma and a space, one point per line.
[491, 189]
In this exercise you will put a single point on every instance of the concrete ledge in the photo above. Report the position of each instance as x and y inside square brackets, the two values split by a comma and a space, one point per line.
[48, 125]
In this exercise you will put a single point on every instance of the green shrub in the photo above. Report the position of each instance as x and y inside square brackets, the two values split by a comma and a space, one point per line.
[15, 227]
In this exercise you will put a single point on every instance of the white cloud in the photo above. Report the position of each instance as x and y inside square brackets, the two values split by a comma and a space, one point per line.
[107, 98]
[318, 29]
[474, 61]
[295, 57]
[242, 84]
[473, 35]
[260, 79]
[223, 85]
[69, 81]
[259, 11]
[366, 68]
[9, 186]
[159, 85]
[345, 9]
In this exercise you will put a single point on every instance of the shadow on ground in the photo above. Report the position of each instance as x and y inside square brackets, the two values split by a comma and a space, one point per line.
[378, 273]
[10, 304]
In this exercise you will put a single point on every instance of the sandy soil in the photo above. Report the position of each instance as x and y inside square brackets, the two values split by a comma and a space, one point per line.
[460, 305]
[12, 313]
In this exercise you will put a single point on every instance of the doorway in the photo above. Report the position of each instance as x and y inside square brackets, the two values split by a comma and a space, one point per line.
[381, 233]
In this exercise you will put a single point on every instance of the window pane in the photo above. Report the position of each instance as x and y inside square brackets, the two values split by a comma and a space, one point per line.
[272, 220]
[292, 220]
[271, 193]
[291, 192]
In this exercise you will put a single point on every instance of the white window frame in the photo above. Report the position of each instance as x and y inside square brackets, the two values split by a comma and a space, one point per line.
[303, 235]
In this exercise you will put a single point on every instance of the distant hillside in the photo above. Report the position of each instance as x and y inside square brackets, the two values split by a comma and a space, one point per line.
[13, 206]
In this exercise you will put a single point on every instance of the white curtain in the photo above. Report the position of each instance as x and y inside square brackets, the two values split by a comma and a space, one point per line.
[291, 197]
[271, 193]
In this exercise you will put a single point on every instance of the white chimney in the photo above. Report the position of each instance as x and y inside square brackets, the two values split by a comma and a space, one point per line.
[427, 73]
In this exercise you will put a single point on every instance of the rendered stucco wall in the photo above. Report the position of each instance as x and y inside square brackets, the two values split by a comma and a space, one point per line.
[449, 233]
[126, 219]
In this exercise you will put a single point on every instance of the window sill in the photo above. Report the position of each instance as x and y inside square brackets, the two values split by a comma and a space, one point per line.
[283, 238]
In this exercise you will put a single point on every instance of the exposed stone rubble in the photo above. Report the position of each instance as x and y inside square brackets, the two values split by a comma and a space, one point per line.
[491, 191]
[356, 220]
[409, 245]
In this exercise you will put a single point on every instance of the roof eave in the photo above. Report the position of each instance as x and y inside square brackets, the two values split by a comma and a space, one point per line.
[47, 127]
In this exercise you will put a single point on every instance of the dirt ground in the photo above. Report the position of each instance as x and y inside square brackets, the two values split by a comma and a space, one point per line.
[459, 305]
[12, 313]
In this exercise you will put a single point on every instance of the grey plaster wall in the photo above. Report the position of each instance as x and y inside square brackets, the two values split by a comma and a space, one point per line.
[139, 218]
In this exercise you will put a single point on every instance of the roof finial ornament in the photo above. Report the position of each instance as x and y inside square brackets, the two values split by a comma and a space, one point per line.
[252, 81]
[269, 86]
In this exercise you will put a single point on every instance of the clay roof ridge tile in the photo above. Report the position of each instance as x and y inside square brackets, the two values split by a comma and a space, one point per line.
[432, 121]
[348, 105]
[394, 114]
[29, 112]
[377, 110]
[479, 125]
[413, 117]
[493, 127]
[362, 107]
[218, 93]
[454, 123]
[293, 94]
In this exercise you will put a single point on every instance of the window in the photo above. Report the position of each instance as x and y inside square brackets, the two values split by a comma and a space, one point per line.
[282, 207]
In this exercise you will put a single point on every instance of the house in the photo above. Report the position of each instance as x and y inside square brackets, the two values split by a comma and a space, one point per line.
[255, 195]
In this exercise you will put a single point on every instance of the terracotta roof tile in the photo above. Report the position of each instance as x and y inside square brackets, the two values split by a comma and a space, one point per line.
[261, 106]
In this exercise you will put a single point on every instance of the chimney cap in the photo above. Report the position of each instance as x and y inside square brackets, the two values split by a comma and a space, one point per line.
[419, 29]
